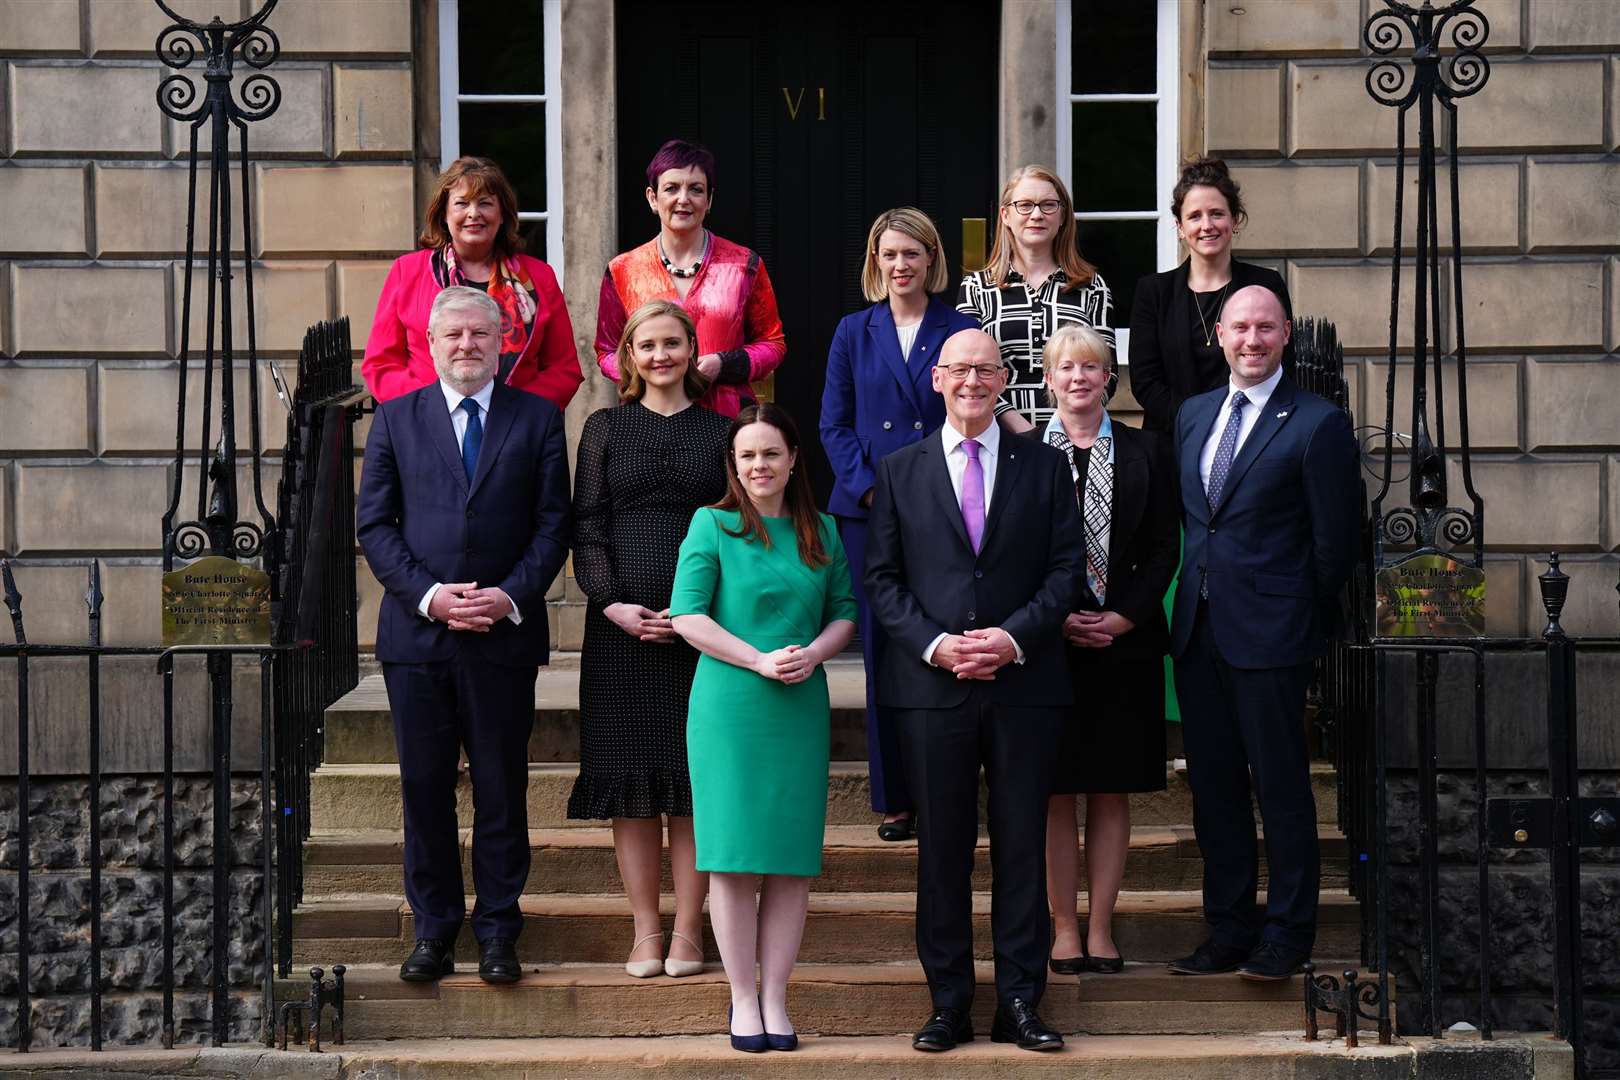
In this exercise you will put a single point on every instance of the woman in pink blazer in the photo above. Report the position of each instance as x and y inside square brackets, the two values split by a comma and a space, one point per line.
[470, 237]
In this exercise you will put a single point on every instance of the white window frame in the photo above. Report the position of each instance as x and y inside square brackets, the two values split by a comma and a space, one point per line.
[451, 99]
[1166, 99]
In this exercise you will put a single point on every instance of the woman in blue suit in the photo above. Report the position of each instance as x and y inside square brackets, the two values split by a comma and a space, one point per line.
[879, 398]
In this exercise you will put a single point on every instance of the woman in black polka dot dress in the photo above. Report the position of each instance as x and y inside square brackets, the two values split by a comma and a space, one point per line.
[644, 468]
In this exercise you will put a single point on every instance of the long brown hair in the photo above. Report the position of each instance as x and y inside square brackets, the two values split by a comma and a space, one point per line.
[631, 385]
[482, 175]
[800, 501]
[1065, 245]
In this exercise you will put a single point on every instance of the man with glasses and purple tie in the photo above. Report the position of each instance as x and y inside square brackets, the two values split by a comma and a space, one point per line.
[1271, 510]
[974, 557]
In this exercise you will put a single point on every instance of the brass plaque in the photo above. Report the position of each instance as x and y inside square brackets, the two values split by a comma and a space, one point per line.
[973, 257]
[216, 601]
[1430, 596]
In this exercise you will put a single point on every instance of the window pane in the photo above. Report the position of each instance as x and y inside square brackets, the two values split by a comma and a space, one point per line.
[501, 47]
[515, 136]
[1112, 46]
[1122, 251]
[1114, 153]
[534, 238]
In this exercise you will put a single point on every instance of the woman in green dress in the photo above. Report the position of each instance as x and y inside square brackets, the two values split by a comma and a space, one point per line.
[762, 591]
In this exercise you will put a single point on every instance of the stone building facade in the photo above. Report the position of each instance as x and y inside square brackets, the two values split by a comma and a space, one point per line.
[93, 187]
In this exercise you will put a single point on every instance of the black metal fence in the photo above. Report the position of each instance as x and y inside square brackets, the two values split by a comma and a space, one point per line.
[312, 661]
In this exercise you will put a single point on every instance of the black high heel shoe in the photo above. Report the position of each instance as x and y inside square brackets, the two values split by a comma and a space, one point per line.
[748, 1044]
[1101, 965]
[1071, 965]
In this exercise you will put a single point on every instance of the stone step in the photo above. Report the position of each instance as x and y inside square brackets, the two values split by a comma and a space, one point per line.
[854, 860]
[1278, 1056]
[841, 928]
[359, 729]
[346, 798]
[601, 1001]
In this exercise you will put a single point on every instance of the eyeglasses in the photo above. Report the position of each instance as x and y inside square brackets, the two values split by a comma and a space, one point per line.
[985, 372]
[1024, 208]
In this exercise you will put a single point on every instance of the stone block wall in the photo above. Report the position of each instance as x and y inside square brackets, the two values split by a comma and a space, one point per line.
[131, 911]
[93, 180]
[1286, 105]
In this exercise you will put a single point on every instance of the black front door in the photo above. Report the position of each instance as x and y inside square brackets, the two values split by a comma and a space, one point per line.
[820, 116]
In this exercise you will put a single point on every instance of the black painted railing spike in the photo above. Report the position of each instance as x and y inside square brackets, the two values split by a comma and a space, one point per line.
[1554, 584]
[13, 602]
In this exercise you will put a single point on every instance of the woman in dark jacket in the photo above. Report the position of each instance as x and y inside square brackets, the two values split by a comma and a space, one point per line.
[1114, 741]
[1174, 353]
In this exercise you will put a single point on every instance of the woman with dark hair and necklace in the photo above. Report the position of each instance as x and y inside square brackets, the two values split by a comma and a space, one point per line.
[722, 285]
[1174, 352]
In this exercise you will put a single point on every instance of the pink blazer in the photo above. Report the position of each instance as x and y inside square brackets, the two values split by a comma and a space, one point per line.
[397, 359]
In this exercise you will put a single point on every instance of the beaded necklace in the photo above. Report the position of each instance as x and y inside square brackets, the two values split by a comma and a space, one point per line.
[684, 272]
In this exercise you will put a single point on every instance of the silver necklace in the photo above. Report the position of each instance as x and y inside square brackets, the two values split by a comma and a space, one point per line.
[1209, 338]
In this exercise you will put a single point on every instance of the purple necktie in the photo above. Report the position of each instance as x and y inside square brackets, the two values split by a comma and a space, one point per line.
[973, 494]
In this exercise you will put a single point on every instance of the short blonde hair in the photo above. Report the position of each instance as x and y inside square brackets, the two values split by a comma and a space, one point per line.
[631, 385]
[1074, 339]
[917, 225]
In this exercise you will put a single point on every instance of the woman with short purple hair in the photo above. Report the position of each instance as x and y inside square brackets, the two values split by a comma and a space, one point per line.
[722, 285]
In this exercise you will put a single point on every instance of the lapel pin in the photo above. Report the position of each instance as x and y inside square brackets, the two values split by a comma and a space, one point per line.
[1282, 415]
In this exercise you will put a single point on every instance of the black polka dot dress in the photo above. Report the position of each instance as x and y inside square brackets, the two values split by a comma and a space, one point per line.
[639, 479]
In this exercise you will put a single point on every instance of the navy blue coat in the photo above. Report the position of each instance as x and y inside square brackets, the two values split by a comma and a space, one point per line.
[419, 522]
[1283, 540]
[874, 402]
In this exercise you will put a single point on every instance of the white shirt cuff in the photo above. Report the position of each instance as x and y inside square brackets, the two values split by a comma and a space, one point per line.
[1018, 652]
[515, 615]
[427, 598]
[928, 653]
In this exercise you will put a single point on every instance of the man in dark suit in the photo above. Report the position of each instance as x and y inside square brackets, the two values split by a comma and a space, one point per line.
[463, 516]
[973, 561]
[1269, 503]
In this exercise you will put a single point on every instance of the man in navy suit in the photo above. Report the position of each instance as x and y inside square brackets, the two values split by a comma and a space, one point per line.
[974, 557]
[463, 516]
[1269, 502]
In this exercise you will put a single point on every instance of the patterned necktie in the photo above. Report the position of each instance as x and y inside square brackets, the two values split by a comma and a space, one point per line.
[1097, 506]
[472, 440]
[1225, 451]
[973, 494]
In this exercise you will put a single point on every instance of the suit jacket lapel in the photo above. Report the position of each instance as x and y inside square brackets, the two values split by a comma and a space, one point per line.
[1202, 413]
[496, 429]
[880, 328]
[436, 419]
[930, 339]
[1279, 407]
[937, 475]
[1130, 495]
[1181, 314]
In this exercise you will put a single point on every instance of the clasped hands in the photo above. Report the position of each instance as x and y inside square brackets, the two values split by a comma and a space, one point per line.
[467, 607]
[643, 624]
[1095, 629]
[790, 664]
[976, 654]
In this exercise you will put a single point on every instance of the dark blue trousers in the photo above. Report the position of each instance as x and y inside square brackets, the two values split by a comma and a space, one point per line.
[890, 794]
[1245, 733]
[487, 709]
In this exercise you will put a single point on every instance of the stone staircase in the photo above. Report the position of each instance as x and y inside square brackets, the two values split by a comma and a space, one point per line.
[858, 983]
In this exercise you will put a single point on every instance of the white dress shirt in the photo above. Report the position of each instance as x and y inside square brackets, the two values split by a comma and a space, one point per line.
[458, 423]
[956, 460]
[1257, 397]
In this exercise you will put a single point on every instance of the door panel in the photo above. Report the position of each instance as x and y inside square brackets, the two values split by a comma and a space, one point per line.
[820, 117]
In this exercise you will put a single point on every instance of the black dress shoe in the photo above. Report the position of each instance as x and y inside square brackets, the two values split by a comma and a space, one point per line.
[1271, 962]
[1067, 965]
[902, 829]
[1017, 1022]
[431, 960]
[1210, 958]
[498, 961]
[944, 1030]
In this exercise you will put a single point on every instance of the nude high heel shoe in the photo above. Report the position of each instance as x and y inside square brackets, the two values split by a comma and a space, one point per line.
[644, 969]
[680, 968]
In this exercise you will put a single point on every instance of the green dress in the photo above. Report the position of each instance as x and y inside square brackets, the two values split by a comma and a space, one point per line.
[758, 748]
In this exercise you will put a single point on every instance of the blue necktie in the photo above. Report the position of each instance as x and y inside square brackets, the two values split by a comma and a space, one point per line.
[472, 440]
[1225, 450]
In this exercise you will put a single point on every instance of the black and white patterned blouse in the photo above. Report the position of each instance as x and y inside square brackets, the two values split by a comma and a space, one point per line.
[1021, 320]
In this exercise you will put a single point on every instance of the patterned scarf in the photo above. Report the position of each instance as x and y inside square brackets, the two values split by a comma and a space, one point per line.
[509, 287]
[1095, 493]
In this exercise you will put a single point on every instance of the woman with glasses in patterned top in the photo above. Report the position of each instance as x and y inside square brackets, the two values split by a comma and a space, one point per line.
[1035, 283]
